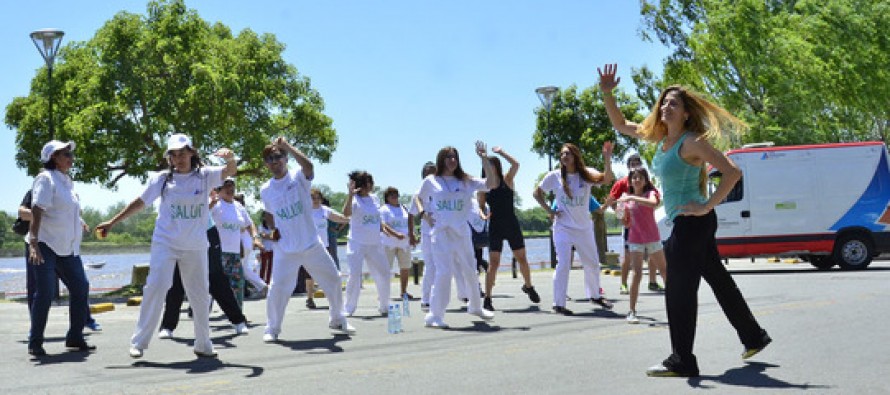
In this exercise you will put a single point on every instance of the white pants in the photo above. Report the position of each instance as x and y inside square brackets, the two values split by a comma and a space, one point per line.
[193, 269]
[250, 274]
[453, 254]
[429, 268]
[357, 253]
[286, 267]
[585, 243]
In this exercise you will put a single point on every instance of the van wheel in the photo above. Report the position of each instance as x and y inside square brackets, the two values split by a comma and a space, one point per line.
[821, 262]
[853, 251]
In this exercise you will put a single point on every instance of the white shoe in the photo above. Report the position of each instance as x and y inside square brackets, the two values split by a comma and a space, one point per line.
[241, 329]
[384, 312]
[165, 334]
[482, 313]
[270, 338]
[342, 327]
[206, 354]
[632, 318]
[135, 352]
[436, 323]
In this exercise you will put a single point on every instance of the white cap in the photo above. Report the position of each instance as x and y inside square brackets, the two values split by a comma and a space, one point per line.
[51, 147]
[228, 180]
[178, 141]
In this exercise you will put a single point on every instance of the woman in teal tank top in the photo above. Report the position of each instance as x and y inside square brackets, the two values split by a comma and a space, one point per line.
[681, 124]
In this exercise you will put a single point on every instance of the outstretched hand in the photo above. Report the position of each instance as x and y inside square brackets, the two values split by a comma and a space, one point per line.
[497, 149]
[608, 80]
[607, 149]
[481, 149]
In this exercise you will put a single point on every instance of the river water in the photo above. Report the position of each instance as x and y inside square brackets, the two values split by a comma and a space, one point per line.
[118, 268]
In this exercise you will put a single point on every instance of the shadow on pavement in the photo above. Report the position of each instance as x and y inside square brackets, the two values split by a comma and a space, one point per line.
[328, 345]
[484, 327]
[752, 375]
[197, 366]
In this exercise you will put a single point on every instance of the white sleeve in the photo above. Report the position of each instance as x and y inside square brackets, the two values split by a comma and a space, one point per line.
[550, 181]
[42, 191]
[153, 189]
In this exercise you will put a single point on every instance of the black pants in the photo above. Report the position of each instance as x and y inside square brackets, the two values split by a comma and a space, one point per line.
[220, 290]
[691, 254]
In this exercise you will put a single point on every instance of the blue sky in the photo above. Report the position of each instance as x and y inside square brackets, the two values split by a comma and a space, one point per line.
[401, 79]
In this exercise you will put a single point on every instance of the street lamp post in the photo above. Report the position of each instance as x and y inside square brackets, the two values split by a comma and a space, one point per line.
[48, 42]
[546, 95]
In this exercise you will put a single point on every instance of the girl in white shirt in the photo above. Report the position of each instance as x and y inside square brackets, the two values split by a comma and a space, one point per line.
[450, 192]
[364, 243]
[180, 236]
[399, 219]
[320, 216]
[231, 219]
[572, 225]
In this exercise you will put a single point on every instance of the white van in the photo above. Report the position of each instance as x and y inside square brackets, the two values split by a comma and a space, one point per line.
[824, 203]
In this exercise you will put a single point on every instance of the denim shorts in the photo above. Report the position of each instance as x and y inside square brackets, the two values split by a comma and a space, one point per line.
[649, 248]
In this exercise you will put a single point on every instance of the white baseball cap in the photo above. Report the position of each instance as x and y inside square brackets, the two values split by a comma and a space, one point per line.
[178, 141]
[51, 147]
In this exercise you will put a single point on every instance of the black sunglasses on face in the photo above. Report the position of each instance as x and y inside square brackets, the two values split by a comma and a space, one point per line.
[67, 154]
[273, 158]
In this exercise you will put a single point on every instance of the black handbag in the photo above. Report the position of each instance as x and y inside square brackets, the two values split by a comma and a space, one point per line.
[480, 239]
[21, 227]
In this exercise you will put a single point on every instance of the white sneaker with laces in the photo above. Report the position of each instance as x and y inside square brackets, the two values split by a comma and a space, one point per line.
[270, 338]
[241, 329]
[342, 327]
[481, 313]
[165, 334]
[632, 318]
[135, 352]
[206, 354]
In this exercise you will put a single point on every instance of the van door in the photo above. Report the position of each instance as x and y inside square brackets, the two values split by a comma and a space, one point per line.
[733, 216]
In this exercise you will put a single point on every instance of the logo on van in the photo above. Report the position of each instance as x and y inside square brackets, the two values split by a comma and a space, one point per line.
[772, 155]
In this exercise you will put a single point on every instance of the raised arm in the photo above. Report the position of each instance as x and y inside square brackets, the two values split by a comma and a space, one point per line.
[231, 166]
[491, 179]
[302, 159]
[514, 166]
[608, 82]
[347, 204]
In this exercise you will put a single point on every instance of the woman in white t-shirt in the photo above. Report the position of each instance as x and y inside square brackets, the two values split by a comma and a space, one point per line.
[400, 220]
[364, 243]
[56, 231]
[231, 220]
[449, 193]
[572, 225]
[180, 236]
[320, 216]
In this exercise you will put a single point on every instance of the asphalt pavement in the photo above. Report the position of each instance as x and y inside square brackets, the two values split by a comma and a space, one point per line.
[828, 328]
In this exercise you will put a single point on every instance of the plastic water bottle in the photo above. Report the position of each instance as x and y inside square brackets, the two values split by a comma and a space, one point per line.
[406, 311]
[391, 320]
[398, 312]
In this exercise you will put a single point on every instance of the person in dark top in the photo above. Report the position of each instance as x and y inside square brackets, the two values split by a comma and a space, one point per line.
[504, 225]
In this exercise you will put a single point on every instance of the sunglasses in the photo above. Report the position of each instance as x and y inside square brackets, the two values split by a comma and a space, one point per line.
[273, 158]
[67, 154]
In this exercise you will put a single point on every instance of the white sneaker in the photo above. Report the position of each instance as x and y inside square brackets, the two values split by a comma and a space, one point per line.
[632, 318]
[481, 313]
[241, 329]
[135, 352]
[270, 338]
[165, 334]
[206, 354]
[435, 323]
[342, 327]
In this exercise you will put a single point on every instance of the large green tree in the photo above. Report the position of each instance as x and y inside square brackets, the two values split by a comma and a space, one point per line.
[143, 77]
[580, 118]
[803, 71]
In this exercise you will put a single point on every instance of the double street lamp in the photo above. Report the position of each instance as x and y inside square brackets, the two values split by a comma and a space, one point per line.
[546, 95]
[48, 42]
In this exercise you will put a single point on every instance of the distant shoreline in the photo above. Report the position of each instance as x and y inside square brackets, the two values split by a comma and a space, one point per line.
[13, 250]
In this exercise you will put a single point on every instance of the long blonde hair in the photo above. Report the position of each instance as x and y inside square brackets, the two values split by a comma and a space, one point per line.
[706, 120]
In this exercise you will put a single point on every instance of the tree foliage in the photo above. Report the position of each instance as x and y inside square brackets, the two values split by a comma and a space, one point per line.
[580, 118]
[142, 77]
[798, 71]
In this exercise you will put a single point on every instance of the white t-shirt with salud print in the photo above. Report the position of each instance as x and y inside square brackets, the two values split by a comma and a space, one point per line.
[397, 219]
[289, 201]
[230, 219]
[574, 211]
[182, 214]
[60, 226]
[320, 218]
[450, 201]
[364, 224]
